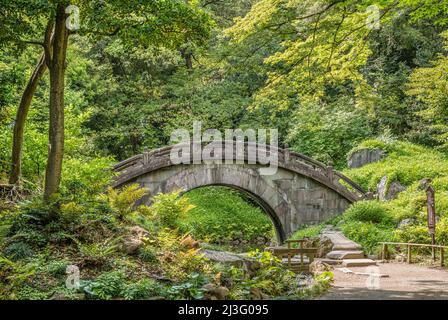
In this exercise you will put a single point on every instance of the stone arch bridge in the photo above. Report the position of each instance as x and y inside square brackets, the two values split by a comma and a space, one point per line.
[302, 191]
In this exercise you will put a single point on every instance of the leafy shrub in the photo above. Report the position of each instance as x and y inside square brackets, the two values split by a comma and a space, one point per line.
[29, 293]
[142, 289]
[85, 177]
[414, 234]
[322, 283]
[327, 132]
[18, 250]
[106, 286]
[189, 289]
[97, 253]
[16, 273]
[368, 211]
[367, 234]
[123, 201]
[308, 231]
[221, 215]
[148, 254]
[167, 209]
[56, 267]
[176, 260]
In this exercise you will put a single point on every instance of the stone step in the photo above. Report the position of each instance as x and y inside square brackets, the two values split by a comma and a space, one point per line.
[330, 261]
[340, 242]
[358, 262]
[346, 246]
[342, 254]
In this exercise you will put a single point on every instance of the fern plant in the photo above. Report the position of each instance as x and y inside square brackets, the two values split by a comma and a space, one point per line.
[98, 252]
[123, 201]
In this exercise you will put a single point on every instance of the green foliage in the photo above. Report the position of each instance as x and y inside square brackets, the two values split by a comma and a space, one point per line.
[367, 234]
[190, 289]
[107, 286]
[177, 260]
[142, 289]
[96, 253]
[368, 211]
[328, 132]
[428, 86]
[16, 273]
[405, 162]
[123, 201]
[84, 177]
[222, 215]
[308, 232]
[168, 209]
[370, 222]
[312, 69]
[18, 251]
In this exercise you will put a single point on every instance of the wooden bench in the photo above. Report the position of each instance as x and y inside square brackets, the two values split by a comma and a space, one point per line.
[305, 256]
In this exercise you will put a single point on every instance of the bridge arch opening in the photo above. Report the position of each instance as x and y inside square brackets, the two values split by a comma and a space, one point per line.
[242, 212]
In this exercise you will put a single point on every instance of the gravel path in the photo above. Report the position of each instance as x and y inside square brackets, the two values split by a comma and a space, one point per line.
[404, 282]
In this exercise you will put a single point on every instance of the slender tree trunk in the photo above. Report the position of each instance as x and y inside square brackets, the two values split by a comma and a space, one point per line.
[19, 125]
[188, 57]
[57, 65]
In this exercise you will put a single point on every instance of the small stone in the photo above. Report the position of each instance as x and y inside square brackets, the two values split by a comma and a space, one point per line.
[132, 245]
[215, 292]
[318, 267]
[406, 222]
[138, 231]
[390, 193]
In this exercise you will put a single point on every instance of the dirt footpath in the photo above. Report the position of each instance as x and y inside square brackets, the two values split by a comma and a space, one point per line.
[404, 282]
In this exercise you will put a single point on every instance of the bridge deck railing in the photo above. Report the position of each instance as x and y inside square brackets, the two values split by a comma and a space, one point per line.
[321, 171]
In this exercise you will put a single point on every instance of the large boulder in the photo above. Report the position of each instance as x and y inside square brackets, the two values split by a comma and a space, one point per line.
[365, 156]
[224, 257]
[391, 192]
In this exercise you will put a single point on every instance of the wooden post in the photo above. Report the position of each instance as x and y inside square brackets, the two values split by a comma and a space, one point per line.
[430, 198]
[301, 254]
[442, 257]
[385, 253]
[433, 239]
[409, 253]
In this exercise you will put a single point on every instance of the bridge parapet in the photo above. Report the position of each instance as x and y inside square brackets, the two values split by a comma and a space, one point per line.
[297, 162]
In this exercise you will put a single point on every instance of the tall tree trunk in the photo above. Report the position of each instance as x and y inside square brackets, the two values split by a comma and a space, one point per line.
[19, 125]
[57, 65]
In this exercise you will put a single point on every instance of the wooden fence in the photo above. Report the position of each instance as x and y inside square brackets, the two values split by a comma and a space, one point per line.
[385, 252]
